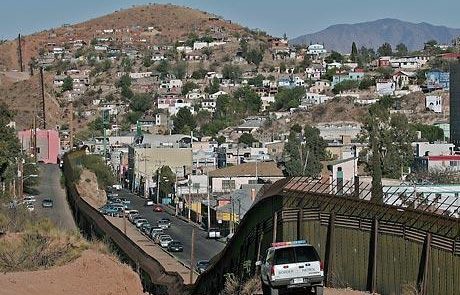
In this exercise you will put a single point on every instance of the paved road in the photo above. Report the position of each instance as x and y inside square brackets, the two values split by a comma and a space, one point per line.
[50, 188]
[180, 230]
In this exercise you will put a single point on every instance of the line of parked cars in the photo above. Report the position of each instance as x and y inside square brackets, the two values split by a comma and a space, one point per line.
[156, 232]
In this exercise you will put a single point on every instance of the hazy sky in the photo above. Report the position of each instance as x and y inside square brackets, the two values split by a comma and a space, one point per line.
[294, 17]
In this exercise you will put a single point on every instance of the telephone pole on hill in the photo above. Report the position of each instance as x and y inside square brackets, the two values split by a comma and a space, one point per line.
[21, 64]
[42, 92]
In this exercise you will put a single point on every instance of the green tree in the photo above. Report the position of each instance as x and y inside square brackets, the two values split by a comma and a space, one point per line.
[254, 56]
[429, 132]
[256, 81]
[345, 86]
[68, 84]
[189, 86]
[127, 65]
[180, 70]
[401, 49]
[231, 72]
[167, 179]
[184, 122]
[10, 146]
[124, 81]
[303, 153]
[366, 83]
[390, 136]
[141, 102]
[288, 98]
[200, 73]
[334, 56]
[214, 86]
[247, 138]
[249, 99]
[354, 52]
[163, 67]
[126, 92]
[385, 50]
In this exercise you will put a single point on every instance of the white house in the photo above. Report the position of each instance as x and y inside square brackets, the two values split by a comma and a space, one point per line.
[209, 105]
[175, 83]
[312, 98]
[217, 94]
[385, 87]
[434, 103]
[200, 45]
[140, 75]
[316, 49]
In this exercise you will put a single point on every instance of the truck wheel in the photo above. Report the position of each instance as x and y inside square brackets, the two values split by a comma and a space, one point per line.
[274, 291]
[265, 289]
[319, 290]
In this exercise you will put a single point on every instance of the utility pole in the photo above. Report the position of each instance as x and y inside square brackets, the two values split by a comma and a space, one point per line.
[71, 126]
[158, 185]
[21, 64]
[192, 256]
[209, 202]
[21, 178]
[124, 220]
[189, 182]
[42, 89]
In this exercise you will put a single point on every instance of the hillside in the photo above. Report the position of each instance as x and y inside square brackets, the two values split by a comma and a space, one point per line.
[375, 33]
[170, 23]
[22, 93]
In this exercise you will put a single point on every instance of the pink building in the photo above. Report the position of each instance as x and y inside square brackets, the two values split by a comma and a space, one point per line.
[48, 144]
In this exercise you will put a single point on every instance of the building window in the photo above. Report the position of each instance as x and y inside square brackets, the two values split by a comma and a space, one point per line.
[252, 181]
[38, 150]
[228, 185]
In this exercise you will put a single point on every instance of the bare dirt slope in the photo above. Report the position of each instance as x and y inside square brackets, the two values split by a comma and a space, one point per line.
[22, 94]
[93, 273]
[89, 189]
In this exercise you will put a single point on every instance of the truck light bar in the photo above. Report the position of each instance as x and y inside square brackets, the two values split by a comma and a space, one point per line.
[280, 244]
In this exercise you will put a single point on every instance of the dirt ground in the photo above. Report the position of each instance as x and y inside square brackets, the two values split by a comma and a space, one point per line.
[92, 273]
[343, 292]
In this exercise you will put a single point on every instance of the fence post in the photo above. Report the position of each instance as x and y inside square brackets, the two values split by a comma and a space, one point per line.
[422, 281]
[275, 226]
[372, 268]
[299, 224]
[330, 249]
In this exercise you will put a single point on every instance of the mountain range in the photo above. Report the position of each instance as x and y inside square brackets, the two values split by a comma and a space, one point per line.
[375, 33]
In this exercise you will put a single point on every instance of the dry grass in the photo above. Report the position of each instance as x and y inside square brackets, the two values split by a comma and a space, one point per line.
[39, 246]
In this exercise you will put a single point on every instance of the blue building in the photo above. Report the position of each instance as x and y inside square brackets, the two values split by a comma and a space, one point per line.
[437, 79]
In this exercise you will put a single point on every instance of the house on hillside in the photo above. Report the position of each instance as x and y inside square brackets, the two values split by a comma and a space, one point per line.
[433, 103]
[228, 179]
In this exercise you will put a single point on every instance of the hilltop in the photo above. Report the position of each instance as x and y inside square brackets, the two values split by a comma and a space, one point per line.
[375, 33]
[167, 23]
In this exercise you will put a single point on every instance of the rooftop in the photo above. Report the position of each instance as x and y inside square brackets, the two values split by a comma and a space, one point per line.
[264, 169]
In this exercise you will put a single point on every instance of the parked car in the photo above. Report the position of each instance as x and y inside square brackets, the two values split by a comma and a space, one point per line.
[47, 203]
[117, 187]
[305, 270]
[154, 231]
[130, 211]
[30, 207]
[175, 246]
[164, 224]
[157, 208]
[114, 212]
[213, 233]
[165, 240]
[145, 228]
[28, 199]
[149, 203]
[201, 266]
[140, 221]
[136, 218]
[131, 216]
[125, 201]
[159, 236]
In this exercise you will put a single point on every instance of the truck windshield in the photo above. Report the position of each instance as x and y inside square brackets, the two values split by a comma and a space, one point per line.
[295, 255]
